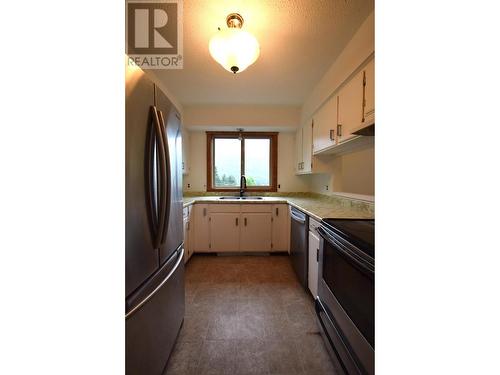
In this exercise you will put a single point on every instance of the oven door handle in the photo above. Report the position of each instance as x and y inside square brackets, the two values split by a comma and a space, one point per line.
[351, 366]
[354, 259]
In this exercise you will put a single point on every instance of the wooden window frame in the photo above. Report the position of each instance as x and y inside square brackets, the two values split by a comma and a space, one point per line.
[273, 163]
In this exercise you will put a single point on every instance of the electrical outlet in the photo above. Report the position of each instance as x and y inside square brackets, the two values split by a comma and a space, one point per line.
[326, 187]
[189, 186]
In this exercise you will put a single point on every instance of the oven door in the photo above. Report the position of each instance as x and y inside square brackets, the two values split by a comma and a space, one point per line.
[345, 305]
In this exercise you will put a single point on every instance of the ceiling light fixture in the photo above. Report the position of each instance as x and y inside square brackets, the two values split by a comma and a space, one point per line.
[234, 48]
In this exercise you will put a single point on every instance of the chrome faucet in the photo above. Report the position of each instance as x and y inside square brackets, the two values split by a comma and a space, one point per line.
[243, 184]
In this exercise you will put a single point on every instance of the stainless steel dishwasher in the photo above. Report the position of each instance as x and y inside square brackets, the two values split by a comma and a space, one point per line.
[298, 244]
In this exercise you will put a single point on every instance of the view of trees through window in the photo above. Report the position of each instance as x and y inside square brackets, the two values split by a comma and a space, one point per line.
[227, 162]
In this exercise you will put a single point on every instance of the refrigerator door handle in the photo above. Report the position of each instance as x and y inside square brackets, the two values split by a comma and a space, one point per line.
[151, 178]
[150, 295]
[162, 199]
[168, 181]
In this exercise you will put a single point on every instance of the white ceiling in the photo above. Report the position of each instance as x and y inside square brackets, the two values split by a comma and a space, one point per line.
[299, 40]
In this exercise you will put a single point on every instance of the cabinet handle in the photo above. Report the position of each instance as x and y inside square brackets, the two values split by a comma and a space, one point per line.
[277, 211]
[245, 221]
[188, 225]
[332, 135]
[339, 130]
[204, 211]
[364, 97]
[317, 255]
[236, 221]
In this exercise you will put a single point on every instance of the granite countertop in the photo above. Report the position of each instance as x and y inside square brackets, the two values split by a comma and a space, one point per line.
[315, 205]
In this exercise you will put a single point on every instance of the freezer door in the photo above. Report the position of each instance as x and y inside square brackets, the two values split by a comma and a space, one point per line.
[153, 320]
[141, 257]
[173, 234]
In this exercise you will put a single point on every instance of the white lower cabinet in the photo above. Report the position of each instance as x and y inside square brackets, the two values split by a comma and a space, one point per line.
[224, 231]
[186, 221]
[312, 281]
[200, 242]
[280, 228]
[239, 227]
[255, 231]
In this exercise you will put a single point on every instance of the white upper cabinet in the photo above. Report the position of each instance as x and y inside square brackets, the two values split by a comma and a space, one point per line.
[350, 108]
[325, 125]
[185, 151]
[306, 163]
[299, 155]
[369, 103]
[307, 147]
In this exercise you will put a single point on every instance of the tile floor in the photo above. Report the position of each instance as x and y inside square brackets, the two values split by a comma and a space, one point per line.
[247, 315]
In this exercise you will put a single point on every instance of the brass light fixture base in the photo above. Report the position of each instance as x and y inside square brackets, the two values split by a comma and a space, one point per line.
[234, 20]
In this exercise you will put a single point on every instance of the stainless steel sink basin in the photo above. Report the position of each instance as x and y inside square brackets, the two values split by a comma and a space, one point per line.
[234, 197]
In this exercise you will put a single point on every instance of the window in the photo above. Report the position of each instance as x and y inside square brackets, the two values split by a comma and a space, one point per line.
[231, 154]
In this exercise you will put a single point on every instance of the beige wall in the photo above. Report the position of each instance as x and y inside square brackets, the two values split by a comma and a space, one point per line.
[351, 173]
[287, 179]
[197, 176]
[359, 49]
[354, 172]
[152, 74]
[249, 117]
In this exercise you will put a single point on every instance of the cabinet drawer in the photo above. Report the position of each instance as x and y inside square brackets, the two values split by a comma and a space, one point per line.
[313, 224]
[224, 207]
[256, 208]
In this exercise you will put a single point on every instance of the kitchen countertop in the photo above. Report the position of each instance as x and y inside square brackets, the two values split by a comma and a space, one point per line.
[315, 205]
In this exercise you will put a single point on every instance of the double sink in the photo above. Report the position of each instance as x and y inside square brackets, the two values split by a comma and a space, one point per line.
[234, 197]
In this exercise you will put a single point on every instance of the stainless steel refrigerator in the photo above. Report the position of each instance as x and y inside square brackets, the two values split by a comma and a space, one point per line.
[154, 266]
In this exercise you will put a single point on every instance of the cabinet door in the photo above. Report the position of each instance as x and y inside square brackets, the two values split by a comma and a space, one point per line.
[299, 152]
[312, 275]
[185, 151]
[369, 104]
[325, 125]
[350, 107]
[256, 232]
[307, 147]
[201, 229]
[280, 234]
[225, 231]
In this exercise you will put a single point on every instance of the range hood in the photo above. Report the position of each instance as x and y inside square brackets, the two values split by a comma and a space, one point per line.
[368, 130]
[367, 127]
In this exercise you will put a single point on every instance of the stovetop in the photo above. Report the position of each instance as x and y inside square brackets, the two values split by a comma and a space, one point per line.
[359, 232]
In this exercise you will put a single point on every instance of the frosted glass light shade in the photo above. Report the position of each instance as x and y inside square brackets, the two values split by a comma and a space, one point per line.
[234, 49]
